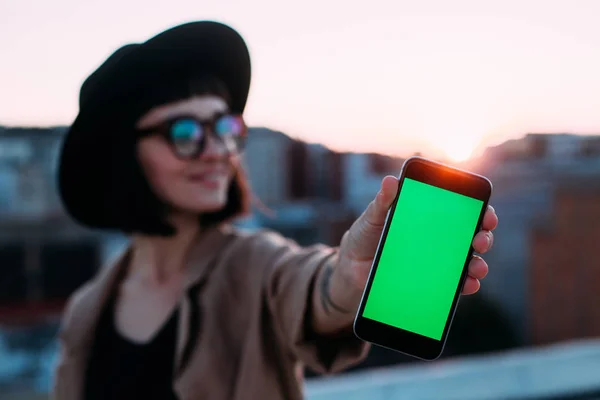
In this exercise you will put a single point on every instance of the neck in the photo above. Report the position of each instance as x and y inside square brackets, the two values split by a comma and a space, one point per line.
[160, 259]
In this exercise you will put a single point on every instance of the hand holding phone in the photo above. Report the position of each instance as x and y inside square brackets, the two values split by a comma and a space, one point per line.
[422, 258]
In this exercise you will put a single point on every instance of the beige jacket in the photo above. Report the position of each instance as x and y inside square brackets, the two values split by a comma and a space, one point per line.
[253, 339]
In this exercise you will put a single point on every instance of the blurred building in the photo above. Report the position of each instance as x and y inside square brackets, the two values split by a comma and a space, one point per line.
[562, 147]
[295, 185]
[44, 255]
[526, 174]
[564, 276]
[265, 161]
[313, 193]
[27, 171]
[364, 173]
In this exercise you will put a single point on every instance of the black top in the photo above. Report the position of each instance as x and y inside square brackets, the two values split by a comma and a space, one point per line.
[121, 369]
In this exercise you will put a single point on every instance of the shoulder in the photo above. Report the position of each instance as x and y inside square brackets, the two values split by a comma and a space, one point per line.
[266, 248]
[259, 241]
[72, 311]
[254, 250]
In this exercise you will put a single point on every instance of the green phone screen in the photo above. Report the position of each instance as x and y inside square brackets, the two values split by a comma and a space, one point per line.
[422, 259]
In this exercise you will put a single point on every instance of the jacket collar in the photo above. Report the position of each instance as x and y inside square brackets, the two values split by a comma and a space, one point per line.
[78, 332]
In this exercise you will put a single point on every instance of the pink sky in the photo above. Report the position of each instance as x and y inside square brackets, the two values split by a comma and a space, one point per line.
[388, 76]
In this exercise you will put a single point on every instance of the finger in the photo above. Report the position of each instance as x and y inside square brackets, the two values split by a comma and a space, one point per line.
[478, 268]
[377, 210]
[483, 241]
[387, 192]
[471, 286]
[490, 219]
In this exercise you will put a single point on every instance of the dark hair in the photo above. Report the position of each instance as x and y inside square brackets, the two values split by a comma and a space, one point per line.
[133, 206]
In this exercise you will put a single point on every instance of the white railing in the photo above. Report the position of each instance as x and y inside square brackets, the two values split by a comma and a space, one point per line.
[569, 368]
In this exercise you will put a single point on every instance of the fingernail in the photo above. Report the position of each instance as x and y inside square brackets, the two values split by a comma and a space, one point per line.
[489, 238]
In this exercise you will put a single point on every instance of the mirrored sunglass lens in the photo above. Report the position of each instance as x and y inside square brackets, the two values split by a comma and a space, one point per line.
[186, 136]
[229, 126]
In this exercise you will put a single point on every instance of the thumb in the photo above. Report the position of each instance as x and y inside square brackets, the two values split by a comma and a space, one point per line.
[377, 210]
[361, 240]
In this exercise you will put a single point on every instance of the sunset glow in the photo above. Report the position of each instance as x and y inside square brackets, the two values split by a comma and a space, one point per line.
[393, 77]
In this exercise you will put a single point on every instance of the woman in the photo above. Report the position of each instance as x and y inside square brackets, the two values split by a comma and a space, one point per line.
[195, 309]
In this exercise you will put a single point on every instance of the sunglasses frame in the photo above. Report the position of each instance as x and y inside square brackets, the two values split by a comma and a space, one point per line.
[208, 128]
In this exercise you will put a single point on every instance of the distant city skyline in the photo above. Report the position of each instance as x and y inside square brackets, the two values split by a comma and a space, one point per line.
[442, 78]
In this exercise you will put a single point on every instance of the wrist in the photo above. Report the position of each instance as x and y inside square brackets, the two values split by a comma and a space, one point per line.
[342, 290]
[335, 298]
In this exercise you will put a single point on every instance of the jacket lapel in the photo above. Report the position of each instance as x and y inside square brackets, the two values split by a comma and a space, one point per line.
[200, 263]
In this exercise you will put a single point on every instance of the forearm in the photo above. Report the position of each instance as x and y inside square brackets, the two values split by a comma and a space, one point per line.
[335, 299]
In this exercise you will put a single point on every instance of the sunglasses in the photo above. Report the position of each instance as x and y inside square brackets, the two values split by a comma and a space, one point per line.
[188, 135]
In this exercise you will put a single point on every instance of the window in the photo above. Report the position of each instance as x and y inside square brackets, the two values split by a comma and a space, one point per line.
[298, 161]
[335, 174]
[13, 277]
[15, 150]
[8, 188]
[66, 266]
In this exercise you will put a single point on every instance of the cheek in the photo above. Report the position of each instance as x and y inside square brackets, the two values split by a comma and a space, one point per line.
[159, 165]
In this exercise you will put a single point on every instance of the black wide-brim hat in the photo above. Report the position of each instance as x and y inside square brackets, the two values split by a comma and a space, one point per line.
[195, 47]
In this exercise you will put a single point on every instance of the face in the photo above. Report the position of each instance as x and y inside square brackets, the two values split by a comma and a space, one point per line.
[191, 185]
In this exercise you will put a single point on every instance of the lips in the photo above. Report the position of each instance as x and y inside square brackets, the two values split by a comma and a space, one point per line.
[210, 179]
[208, 175]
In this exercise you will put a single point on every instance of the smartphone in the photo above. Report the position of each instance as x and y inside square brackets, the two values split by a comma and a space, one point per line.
[421, 262]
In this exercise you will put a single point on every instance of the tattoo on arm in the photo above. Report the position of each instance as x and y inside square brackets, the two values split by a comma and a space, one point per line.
[326, 300]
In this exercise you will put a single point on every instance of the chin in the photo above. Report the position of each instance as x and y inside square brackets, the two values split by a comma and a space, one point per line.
[205, 206]
[208, 208]
[200, 202]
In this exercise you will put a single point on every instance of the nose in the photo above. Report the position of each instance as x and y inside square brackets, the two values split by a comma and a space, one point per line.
[215, 148]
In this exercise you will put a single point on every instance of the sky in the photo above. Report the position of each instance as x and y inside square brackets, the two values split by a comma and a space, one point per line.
[446, 78]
